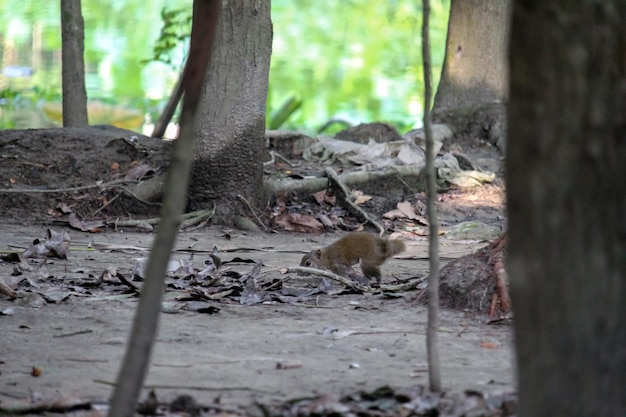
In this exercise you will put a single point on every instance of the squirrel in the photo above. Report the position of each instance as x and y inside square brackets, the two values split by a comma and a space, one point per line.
[371, 250]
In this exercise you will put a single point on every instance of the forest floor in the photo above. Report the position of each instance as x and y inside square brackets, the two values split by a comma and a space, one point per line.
[226, 354]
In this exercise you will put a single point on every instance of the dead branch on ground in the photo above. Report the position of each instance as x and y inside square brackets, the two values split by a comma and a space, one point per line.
[408, 286]
[277, 187]
[344, 195]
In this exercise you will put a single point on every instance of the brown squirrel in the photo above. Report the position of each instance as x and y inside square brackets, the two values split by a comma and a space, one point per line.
[339, 257]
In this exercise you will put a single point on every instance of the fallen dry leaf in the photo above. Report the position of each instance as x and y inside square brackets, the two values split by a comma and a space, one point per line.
[360, 198]
[64, 207]
[138, 172]
[295, 222]
[56, 244]
[12, 257]
[322, 197]
[93, 226]
[409, 212]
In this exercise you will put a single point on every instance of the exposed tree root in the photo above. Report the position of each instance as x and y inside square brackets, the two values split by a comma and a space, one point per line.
[277, 187]
[476, 282]
[187, 219]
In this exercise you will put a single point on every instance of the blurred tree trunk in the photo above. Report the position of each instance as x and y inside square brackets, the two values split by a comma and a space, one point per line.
[566, 175]
[134, 368]
[232, 119]
[73, 63]
[472, 92]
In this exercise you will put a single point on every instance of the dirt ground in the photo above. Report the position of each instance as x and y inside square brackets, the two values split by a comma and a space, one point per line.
[233, 354]
[327, 344]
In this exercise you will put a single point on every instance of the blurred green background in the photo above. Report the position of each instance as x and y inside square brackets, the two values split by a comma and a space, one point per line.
[358, 60]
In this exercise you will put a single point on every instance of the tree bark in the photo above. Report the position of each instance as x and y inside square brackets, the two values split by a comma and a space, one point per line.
[432, 344]
[473, 89]
[566, 169]
[73, 64]
[232, 126]
[135, 365]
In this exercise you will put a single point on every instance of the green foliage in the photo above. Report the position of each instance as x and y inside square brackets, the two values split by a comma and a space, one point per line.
[45, 93]
[367, 70]
[175, 31]
[8, 94]
[14, 97]
[370, 70]
[284, 112]
[19, 107]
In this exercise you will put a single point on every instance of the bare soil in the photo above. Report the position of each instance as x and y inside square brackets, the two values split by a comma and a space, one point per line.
[330, 344]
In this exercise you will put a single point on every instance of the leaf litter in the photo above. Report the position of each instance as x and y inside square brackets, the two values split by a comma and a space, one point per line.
[382, 402]
[195, 277]
[196, 280]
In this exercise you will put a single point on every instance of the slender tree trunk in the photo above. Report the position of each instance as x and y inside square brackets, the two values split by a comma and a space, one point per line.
[566, 176]
[170, 108]
[432, 345]
[73, 63]
[473, 89]
[232, 127]
[135, 366]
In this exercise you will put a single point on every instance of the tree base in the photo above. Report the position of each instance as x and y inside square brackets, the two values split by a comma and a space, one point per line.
[486, 123]
[476, 282]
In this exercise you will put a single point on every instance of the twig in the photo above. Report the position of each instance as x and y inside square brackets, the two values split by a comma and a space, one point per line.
[6, 290]
[242, 198]
[66, 190]
[107, 204]
[44, 407]
[408, 186]
[343, 280]
[275, 155]
[344, 194]
[385, 332]
[126, 282]
[186, 387]
[85, 360]
[407, 286]
[73, 333]
[272, 159]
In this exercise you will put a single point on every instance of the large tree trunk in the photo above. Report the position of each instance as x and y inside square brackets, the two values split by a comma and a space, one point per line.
[567, 206]
[232, 124]
[73, 62]
[473, 89]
